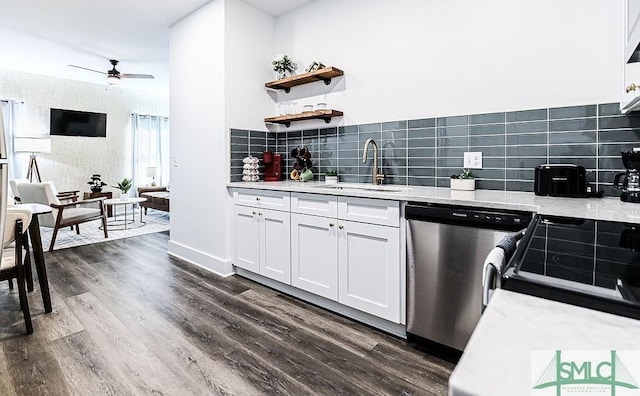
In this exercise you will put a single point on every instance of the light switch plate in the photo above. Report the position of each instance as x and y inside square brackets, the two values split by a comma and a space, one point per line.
[473, 160]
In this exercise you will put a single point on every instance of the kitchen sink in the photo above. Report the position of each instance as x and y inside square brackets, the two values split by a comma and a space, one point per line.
[361, 187]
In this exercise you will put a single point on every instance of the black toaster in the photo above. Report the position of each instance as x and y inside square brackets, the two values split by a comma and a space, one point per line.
[561, 180]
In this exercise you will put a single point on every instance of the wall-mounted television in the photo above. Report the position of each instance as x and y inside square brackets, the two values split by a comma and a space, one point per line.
[78, 123]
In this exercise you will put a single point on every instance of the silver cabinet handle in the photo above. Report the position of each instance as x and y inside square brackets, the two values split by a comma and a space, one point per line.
[253, 212]
[340, 226]
[257, 198]
[259, 213]
[330, 224]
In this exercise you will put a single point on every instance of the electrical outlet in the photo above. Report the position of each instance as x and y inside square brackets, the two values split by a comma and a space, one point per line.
[473, 160]
[174, 161]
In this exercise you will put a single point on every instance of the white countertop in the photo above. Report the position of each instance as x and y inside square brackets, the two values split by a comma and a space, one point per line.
[498, 358]
[608, 208]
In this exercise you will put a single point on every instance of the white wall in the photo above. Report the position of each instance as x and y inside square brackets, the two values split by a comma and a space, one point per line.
[216, 83]
[411, 59]
[73, 160]
[198, 136]
[404, 59]
[250, 43]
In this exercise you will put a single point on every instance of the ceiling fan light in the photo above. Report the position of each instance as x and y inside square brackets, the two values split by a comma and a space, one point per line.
[113, 80]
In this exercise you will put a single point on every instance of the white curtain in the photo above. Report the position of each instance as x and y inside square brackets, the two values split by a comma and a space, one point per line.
[150, 149]
[12, 115]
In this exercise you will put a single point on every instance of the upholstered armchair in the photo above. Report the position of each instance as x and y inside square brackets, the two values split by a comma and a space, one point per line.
[67, 210]
[14, 188]
[62, 195]
[12, 264]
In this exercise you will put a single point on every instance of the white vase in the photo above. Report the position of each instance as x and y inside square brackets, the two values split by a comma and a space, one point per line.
[124, 196]
[463, 184]
[331, 179]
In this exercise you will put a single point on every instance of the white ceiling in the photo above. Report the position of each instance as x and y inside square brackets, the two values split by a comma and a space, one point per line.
[44, 36]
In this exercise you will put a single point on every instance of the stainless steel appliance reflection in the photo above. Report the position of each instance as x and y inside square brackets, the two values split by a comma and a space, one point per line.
[446, 250]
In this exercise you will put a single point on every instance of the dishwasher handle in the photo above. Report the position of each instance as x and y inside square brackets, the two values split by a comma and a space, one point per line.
[490, 282]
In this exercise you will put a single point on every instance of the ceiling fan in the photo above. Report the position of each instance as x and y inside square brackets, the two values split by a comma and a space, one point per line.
[113, 75]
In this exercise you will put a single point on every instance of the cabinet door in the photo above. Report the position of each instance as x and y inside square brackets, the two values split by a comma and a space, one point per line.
[246, 238]
[275, 245]
[369, 268]
[314, 255]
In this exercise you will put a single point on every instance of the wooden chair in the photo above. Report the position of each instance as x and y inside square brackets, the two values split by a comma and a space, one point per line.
[12, 265]
[69, 213]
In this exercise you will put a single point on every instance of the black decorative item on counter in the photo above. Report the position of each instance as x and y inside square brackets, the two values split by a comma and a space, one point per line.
[302, 167]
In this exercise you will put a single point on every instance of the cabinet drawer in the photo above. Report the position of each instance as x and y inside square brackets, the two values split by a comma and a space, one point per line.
[373, 211]
[277, 200]
[314, 204]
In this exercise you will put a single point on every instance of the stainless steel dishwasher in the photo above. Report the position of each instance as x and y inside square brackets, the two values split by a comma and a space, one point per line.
[446, 249]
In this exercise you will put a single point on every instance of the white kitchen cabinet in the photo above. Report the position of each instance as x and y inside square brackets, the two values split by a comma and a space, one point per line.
[261, 242]
[314, 204]
[632, 33]
[246, 238]
[314, 255]
[344, 249]
[275, 245]
[371, 211]
[356, 264]
[264, 199]
[369, 268]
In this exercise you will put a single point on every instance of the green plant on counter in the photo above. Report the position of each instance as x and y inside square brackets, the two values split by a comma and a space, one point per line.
[466, 174]
[331, 173]
[124, 186]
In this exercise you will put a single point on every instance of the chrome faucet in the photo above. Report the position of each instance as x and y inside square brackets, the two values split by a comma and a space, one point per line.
[376, 177]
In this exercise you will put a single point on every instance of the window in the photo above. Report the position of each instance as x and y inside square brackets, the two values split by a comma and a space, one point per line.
[150, 149]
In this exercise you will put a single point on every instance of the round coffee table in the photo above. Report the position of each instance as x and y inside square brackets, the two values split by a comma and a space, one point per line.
[123, 224]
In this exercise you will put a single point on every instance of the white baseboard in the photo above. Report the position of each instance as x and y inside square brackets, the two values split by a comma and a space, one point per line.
[200, 259]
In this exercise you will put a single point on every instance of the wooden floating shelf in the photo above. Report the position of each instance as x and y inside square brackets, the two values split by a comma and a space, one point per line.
[286, 120]
[324, 74]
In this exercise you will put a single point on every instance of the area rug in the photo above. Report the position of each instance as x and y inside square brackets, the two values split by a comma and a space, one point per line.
[90, 232]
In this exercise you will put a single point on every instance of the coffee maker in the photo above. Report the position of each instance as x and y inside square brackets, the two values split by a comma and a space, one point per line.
[629, 181]
[272, 166]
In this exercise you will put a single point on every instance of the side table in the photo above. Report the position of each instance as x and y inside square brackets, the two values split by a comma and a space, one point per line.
[106, 194]
[124, 224]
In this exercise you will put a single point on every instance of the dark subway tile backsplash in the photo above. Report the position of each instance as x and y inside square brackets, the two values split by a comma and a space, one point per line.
[425, 152]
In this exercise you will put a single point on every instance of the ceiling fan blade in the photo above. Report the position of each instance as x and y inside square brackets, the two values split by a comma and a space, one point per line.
[84, 68]
[147, 76]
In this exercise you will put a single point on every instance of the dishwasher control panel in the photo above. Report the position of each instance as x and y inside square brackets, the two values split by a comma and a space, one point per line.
[468, 216]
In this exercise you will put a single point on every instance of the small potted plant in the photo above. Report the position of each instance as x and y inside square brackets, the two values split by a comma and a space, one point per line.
[124, 186]
[283, 64]
[96, 183]
[331, 177]
[463, 181]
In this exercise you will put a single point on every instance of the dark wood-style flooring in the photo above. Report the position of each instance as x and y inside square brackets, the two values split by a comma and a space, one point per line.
[128, 319]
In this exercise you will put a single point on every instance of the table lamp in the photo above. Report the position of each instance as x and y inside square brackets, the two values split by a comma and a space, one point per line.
[33, 146]
[152, 172]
